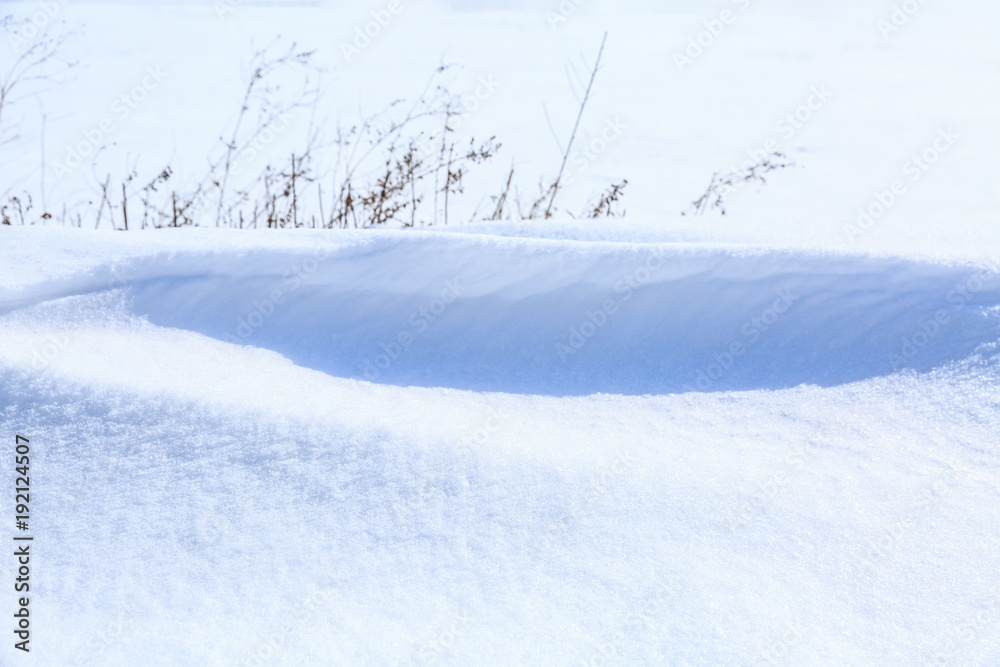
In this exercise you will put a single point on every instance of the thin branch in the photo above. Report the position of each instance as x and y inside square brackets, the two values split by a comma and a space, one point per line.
[552, 129]
[576, 126]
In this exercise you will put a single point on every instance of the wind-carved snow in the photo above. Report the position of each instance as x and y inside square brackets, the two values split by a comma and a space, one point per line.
[215, 493]
[562, 318]
[652, 440]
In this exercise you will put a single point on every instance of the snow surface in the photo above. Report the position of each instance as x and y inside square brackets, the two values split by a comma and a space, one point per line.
[482, 493]
[405, 448]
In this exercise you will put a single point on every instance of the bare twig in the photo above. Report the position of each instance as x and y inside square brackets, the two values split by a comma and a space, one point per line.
[502, 199]
[31, 65]
[720, 187]
[605, 206]
[576, 126]
[124, 207]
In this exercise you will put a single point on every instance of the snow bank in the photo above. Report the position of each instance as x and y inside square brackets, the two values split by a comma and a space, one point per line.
[207, 499]
[532, 316]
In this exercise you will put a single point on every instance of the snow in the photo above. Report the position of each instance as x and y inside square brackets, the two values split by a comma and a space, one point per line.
[726, 440]
[536, 506]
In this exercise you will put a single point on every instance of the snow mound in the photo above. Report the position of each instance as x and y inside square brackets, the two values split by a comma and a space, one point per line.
[549, 317]
[220, 487]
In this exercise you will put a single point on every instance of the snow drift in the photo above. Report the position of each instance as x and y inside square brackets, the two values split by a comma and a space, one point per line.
[216, 486]
[566, 318]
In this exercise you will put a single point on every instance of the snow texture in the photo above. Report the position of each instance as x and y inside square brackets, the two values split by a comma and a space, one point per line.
[750, 440]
